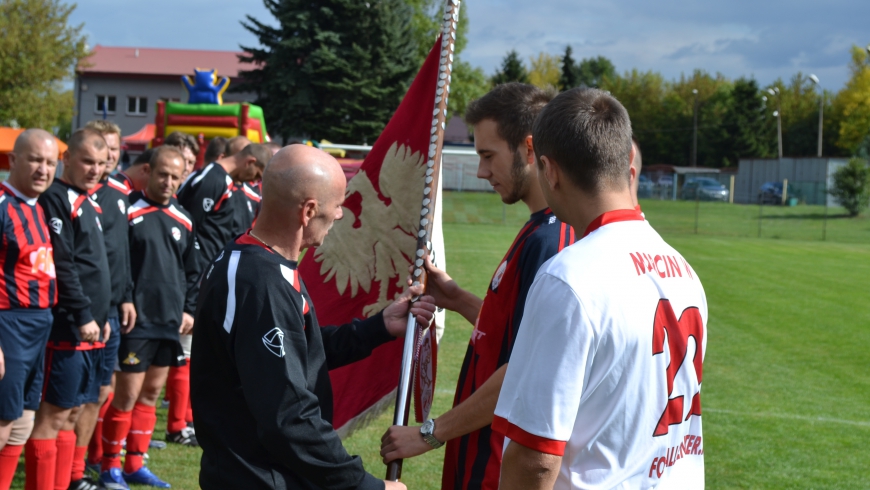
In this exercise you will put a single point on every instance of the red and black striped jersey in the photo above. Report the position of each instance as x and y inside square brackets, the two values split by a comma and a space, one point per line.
[29, 279]
[165, 265]
[473, 461]
[111, 194]
[85, 287]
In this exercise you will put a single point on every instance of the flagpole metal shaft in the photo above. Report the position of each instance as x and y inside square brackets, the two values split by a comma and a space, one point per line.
[427, 212]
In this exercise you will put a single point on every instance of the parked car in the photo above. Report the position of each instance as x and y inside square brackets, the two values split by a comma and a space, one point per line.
[704, 189]
[770, 193]
[644, 187]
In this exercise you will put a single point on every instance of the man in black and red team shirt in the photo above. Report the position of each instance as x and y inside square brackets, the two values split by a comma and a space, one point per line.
[165, 274]
[502, 121]
[262, 398]
[219, 212]
[79, 329]
[28, 290]
[112, 195]
[134, 176]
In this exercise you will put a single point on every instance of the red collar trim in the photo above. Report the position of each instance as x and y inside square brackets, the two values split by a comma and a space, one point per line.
[247, 239]
[613, 217]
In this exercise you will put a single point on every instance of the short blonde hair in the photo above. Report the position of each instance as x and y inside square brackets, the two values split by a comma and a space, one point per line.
[104, 127]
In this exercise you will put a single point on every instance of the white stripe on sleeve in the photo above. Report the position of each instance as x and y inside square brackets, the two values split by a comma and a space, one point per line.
[231, 286]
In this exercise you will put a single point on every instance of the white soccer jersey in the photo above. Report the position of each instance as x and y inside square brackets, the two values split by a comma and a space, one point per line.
[606, 370]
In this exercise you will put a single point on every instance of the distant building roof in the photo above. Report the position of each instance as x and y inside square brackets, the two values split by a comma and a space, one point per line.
[107, 60]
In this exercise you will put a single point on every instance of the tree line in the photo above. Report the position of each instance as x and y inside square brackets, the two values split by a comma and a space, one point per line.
[736, 118]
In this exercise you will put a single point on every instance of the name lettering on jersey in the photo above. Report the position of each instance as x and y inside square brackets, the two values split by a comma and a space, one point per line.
[690, 446]
[274, 341]
[42, 260]
[56, 225]
[663, 265]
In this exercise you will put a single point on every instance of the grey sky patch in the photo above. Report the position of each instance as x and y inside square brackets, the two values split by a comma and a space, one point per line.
[766, 39]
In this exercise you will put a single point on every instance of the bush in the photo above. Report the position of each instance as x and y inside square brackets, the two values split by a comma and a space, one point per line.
[852, 186]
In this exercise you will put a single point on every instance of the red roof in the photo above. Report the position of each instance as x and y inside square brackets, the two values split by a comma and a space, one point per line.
[163, 62]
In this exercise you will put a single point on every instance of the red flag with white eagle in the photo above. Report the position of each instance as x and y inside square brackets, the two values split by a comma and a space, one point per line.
[363, 263]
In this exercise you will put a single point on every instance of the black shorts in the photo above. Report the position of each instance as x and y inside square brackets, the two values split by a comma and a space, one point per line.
[137, 355]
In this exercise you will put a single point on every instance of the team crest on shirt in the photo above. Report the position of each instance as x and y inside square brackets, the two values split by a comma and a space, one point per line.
[207, 204]
[274, 341]
[56, 225]
[176, 233]
[121, 206]
[131, 359]
[99, 225]
[496, 279]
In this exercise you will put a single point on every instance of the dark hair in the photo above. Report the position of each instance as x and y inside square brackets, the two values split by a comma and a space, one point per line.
[587, 133]
[144, 157]
[261, 152]
[216, 147]
[161, 152]
[85, 135]
[182, 140]
[513, 106]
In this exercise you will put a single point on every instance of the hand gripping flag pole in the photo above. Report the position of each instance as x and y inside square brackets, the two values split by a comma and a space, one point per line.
[424, 243]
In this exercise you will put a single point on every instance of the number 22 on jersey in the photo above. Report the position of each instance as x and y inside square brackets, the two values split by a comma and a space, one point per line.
[678, 332]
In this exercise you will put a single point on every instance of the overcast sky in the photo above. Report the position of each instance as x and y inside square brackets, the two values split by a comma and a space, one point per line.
[766, 39]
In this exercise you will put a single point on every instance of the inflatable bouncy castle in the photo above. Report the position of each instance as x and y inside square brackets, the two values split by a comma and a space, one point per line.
[205, 116]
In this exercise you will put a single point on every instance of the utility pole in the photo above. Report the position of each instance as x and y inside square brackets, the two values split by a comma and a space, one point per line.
[778, 113]
[694, 130]
[815, 80]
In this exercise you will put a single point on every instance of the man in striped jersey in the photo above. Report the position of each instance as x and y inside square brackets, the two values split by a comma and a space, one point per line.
[28, 290]
[502, 122]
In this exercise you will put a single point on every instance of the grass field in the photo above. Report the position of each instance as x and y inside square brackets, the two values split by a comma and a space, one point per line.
[786, 386]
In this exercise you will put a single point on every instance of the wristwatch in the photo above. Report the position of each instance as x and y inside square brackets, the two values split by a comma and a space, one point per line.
[426, 430]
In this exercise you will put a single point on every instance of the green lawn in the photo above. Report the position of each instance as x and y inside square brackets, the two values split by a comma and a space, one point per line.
[786, 391]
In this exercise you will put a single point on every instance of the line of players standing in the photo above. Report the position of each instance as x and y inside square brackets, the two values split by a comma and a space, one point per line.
[100, 272]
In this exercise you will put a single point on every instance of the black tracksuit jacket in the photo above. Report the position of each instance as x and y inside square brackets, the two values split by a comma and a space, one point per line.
[85, 289]
[165, 264]
[260, 385]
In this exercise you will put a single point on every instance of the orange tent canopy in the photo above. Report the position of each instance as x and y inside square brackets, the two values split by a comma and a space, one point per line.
[140, 139]
[7, 142]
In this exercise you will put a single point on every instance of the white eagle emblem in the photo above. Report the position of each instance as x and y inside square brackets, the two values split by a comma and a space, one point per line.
[207, 204]
[176, 233]
[377, 250]
[122, 207]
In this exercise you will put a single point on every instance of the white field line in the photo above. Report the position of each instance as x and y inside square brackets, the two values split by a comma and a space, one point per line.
[789, 416]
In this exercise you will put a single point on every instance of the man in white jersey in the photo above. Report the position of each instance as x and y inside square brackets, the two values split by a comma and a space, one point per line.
[603, 387]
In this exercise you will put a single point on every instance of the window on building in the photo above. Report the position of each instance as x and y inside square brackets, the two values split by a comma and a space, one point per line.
[107, 102]
[137, 106]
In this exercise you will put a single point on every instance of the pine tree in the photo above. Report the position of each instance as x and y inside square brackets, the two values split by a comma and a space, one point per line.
[334, 69]
[569, 78]
[591, 72]
[512, 70]
[745, 124]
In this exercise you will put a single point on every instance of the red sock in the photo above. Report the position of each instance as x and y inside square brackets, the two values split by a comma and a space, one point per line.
[66, 446]
[116, 424]
[178, 392]
[8, 464]
[40, 462]
[78, 463]
[139, 437]
[95, 447]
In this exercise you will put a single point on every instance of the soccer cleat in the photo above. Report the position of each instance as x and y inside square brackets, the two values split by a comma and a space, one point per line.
[92, 470]
[143, 476]
[113, 480]
[185, 437]
[84, 484]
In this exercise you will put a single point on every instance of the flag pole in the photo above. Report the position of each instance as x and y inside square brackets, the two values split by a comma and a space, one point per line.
[427, 213]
